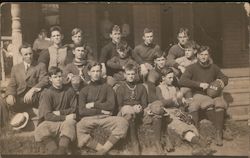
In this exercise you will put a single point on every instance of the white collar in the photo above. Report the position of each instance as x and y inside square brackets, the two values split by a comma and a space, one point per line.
[26, 65]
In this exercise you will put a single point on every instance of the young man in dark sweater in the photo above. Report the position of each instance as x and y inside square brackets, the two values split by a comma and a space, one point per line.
[96, 106]
[143, 53]
[117, 63]
[109, 50]
[198, 76]
[77, 36]
[78, 67]
[57, 115]
[131, 99]
[178, 50]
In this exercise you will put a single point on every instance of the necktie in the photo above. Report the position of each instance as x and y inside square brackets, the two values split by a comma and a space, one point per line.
[27, 67]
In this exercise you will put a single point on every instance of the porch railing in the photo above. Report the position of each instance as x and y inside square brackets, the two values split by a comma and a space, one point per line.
[2, 52]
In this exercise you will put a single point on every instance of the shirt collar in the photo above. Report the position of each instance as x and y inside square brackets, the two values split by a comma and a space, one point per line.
[26, 65]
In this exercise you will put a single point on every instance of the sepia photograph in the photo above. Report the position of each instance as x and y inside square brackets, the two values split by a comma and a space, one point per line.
[125, 78]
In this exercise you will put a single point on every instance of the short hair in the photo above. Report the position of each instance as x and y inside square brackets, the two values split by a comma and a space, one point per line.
[92, 63]
[24, 45]
[54, 70]
[130, 67]
[166, 70]
[204, 48]
[76, 31]
[79, 45]
[183, 30]
[122, 45]
[159, 54]
[43, 31]
[147, 30]
[192, 44]
[115, 28]
[55, 28]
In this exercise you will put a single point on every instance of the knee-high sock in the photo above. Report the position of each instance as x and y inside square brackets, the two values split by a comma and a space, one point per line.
[93, 144]
[195, 117]
[50, 144]
[219, 117]
[211, 115]
[64, 141]
[133, 133]
[109, 144]
[157, 126]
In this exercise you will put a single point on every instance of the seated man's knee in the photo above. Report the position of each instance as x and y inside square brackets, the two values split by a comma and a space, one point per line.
[193, 107]
[42, 132]
[121, 127]
[208, 103]
[83, 123]
[69, 123]
[220, 103]
[127, 112]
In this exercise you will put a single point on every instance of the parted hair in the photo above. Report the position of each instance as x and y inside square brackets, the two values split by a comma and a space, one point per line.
[183, 30]
[79, 45]
[76, 31]
[203, 48]
[92, 63]
[147, 30]
[130, 67]
[166, 70]
[24, 45]
[54, 70]
[122, 45]
[114, 28]
[55, 28]
[159, 54]
[192, 44]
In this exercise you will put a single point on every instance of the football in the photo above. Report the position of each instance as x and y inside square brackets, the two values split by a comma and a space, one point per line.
[214, 89]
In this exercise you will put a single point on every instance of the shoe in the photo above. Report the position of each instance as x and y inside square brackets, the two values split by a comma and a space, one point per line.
[169, 147]
[101, 152]
[228, 135]
[202, 151]
[218, 138]
[61, 151]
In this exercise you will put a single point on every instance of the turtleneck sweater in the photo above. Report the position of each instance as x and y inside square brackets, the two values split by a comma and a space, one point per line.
[201, 73]
[131, 94]
[101, 94]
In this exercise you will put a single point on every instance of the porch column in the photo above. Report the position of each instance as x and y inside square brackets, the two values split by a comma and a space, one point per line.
[16, 32]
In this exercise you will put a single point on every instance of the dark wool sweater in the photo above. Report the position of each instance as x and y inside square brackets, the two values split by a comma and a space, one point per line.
[144, 54]
[197, 73]
[123, 94]
[72, 68]
[107, 52]
[116, 63]
[174, 52]
[52, 99]
[101, 94]
[70, 56]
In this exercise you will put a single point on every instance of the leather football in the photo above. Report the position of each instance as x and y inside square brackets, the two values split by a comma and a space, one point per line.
[214, 89]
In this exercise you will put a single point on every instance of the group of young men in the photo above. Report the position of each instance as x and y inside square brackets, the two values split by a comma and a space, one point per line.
[75, 93]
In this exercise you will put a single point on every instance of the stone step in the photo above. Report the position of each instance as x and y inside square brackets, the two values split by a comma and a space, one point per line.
[235, 99]
[236, 72]
[238, 83]
[239, 112]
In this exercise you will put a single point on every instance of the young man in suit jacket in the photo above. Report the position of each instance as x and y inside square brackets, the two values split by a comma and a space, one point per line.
[27, 80]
